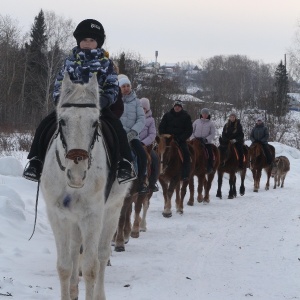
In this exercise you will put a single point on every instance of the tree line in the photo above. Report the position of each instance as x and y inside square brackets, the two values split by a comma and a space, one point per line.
[30, 64]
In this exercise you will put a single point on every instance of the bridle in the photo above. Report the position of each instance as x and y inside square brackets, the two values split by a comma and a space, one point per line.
[77, 155]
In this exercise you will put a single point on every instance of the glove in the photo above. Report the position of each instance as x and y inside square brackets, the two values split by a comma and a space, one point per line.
[233, 141]
[131, 135]
[203, 140]
[104, 101]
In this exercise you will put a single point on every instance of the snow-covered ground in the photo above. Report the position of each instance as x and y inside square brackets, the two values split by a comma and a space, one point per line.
[246, 248]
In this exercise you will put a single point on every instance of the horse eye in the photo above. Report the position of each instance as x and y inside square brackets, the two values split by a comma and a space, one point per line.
[95, 124]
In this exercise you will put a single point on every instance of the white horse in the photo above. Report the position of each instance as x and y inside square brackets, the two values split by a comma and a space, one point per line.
[73, 184]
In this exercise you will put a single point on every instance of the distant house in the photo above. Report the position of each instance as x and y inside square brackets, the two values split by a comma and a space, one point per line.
[294, 101]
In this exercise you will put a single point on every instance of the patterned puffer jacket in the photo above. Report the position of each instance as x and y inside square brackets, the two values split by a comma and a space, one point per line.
[81, 64]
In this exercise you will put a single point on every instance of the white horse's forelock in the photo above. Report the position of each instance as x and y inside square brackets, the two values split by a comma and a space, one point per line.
[73, 184]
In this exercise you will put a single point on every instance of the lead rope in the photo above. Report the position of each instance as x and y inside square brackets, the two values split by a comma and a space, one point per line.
[36, 206]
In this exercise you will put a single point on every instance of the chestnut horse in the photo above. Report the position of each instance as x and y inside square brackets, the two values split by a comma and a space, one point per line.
[258, 162]
[125, 230]
[229, 163]
[204, 180]
[170, 172]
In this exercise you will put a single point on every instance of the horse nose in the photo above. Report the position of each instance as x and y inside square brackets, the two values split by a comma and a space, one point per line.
[75, 179]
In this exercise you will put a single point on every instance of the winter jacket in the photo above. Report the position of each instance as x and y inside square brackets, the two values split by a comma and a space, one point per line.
[148, 134]
[178, 124]
[204, 128]
[118, 107]
[233, 131]
[133, 117]
[81, 64]
[260, 133]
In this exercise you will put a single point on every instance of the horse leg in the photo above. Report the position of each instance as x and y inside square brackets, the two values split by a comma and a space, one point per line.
[220, 181]
[207, 186]
[119, 237]
[269, 170]
[232, 178]
[282, 181]
[110, 223]
[234, 186]
[192, 192]
[182, 195]
[143, 225]
[242, 187]
[201, 179]
[135, 232]
[167, 213]
[62, 233]
[177, 196]
[127, 226]
[76, 242]
[275, 182]
[255, 179]
[91, 230]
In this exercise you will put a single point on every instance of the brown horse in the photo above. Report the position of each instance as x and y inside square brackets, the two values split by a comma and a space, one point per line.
[229, 163]
[170, 172]
[124, 229]
[258, 162]
[204, 180]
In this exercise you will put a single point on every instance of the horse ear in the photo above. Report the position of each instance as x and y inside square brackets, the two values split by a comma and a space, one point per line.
[66, 81]
[93, 84]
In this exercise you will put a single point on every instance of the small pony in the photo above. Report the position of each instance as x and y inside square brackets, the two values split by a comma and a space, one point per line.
[73, 183]
[280, 169]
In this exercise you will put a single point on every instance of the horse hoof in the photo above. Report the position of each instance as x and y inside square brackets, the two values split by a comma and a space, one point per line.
[200, 200]
[256, 191]
[167, 215]
[119, 248]
[135, 235]
[190, 203]
[180, 212]
[230, 197]
[206, 201]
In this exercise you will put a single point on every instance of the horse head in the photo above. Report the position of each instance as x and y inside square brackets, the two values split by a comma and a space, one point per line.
[165, 145]
[255, 153]
[78, 114]
[225, 150]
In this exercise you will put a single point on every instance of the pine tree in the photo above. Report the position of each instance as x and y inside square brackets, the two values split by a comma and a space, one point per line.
[35, 92]
[281, 90]
[122, 64]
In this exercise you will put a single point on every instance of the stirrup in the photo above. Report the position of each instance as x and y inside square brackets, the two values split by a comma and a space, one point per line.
[130, 174]
[33, 173]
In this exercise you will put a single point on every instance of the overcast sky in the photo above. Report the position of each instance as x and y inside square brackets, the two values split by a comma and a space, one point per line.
[186, 30]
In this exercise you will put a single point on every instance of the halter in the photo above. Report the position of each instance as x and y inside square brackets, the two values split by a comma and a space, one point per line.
[77, 155]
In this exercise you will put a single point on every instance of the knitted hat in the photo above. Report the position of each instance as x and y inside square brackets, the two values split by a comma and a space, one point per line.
[204, 111]
[259, 118]
[145, 103]
[233, 113]
[178, 103]
[123, 79]
[90, 28]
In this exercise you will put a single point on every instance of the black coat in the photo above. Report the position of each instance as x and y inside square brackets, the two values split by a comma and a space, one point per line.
[178, 124]
[233, 130]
